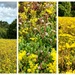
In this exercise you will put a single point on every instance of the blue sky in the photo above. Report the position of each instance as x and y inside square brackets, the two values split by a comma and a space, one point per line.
[8, 11]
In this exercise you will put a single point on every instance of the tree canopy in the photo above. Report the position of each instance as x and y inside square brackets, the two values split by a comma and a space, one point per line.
[8, 30]
[66, 9]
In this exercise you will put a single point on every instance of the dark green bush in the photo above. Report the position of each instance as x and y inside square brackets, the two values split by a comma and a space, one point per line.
[64, 9]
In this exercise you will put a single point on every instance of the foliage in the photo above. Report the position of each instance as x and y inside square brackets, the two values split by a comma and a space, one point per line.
[3, 29]
[12, 30]
[2, 32]
[8, 56]
[37, 37]
[8, 30]
[4, 24]
[73, 9]
[66, 45]
[31, 62]
[64, 9]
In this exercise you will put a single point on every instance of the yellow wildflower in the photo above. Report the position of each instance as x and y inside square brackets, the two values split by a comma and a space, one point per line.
[21, 55]
[53, 54]
[49, 11]
[28, 70]
[33, 39]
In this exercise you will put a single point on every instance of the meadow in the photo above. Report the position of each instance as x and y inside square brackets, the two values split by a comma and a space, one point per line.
[66, 44]
[8, 62]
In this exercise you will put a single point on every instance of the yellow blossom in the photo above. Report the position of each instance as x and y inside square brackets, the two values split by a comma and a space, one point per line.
[49, 11]
[33, 39]
[28, 70]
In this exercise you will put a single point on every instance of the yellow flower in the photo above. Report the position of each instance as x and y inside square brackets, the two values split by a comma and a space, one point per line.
[33, 12]
[52, 67]
[68, 71]
[28, 70]
[18, 5]
[21, 55]
[73, 45]
[68, 35]
[33, 39]
[14, 71]
[69, 63]
[26, 29]
[23, 16]
[49, 11]
[32, 56]
[33, 20]
[25, 9]
[67, 45]
[53, 54]
[74, 71]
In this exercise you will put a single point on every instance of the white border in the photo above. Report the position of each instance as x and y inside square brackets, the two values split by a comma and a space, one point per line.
[57, 34]
[17, 37]
[17, 1]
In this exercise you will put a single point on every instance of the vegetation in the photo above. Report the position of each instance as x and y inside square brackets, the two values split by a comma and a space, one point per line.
[8, 35]
[8, 30]
[66, 45]
[66, 9]
[3, 28]
[12, 30]
[8, 56]
[37, 37]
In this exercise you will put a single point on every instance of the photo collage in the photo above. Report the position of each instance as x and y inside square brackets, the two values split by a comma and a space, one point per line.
[37, 37]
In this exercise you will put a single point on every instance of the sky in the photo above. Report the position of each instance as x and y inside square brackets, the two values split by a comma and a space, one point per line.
[8, 11]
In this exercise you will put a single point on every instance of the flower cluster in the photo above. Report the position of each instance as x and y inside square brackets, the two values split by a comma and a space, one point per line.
[66, 44]
[8, 56]
[28, 63]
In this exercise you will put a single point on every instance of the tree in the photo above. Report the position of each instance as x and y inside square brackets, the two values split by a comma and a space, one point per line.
[64, 9]
[3, 29]
[73, 9]
[12, 30]
[3, 33]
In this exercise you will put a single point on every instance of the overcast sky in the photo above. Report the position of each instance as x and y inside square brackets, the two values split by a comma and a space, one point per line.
[8, 11]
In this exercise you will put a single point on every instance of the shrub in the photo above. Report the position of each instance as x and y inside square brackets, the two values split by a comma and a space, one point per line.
[37, 37]
[64, 9]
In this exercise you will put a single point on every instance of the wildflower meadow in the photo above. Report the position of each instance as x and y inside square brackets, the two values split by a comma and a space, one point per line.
[8, 62]
[66, 38]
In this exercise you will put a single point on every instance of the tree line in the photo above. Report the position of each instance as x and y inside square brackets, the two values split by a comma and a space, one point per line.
[8, 31]
[66, 9]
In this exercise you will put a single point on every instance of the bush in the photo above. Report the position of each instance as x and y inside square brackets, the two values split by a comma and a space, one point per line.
[64, 9]
[3, 33]
[12, 30]
[37, 37]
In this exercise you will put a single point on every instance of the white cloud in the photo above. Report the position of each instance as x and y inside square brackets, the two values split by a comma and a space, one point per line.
[8, 4]
[8, 14]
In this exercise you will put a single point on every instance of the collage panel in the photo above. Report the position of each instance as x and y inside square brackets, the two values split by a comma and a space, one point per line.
[37, 37]
[8, 37]
[66, 37]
